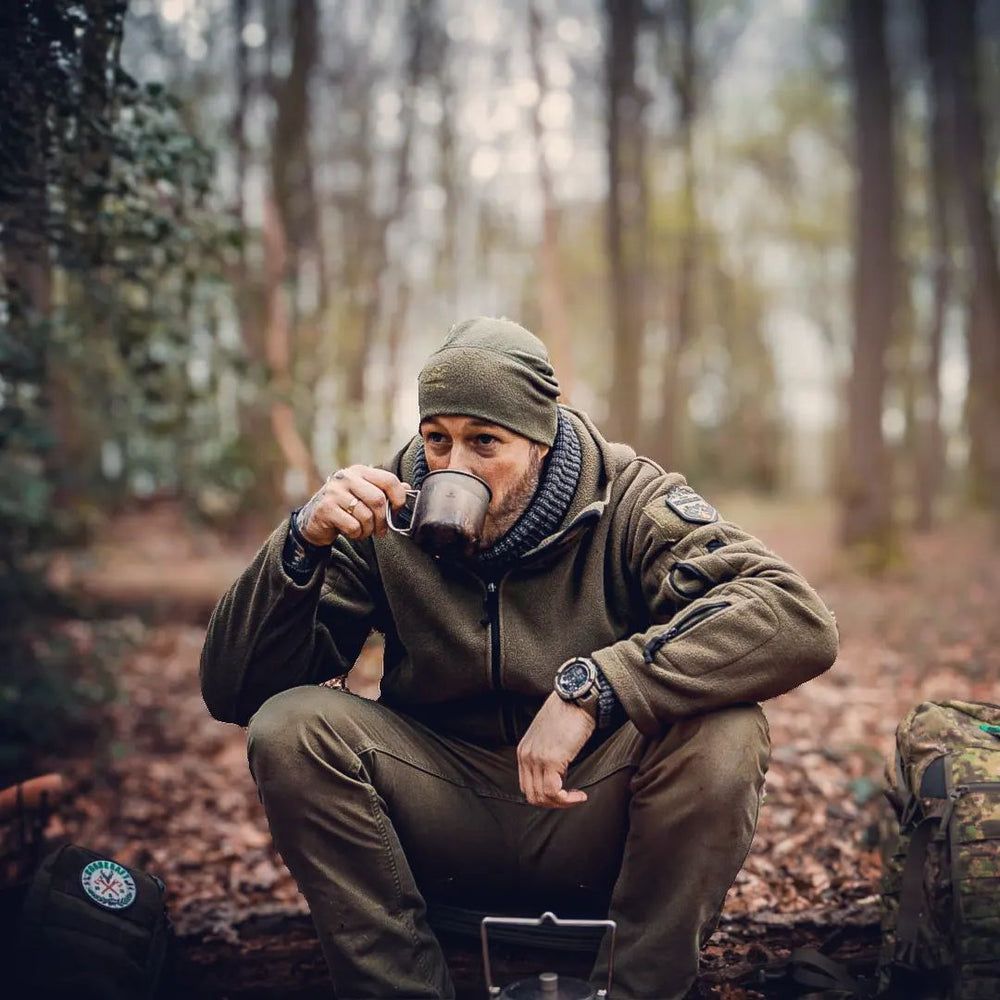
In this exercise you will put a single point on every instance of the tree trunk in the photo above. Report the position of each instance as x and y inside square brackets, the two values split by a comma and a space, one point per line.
[422, 34]
[961, 59]
[81, 423]
[366, 272]
[666, 446]
[866, 499]
[450, 167]
[291, 157]
[237, 129]
[262, 453]
[355, 331]
[284, 425]
[24, 205]
[555, 319]
[291, 235]
[626, 217]
[930, 440]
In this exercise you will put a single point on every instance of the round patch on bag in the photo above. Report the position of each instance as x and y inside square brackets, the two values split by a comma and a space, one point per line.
[108, 884]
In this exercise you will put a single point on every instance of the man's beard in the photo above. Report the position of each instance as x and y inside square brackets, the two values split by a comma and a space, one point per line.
[515, 503]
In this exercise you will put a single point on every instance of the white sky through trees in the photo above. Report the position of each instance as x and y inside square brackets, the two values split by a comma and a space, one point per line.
[749, 51]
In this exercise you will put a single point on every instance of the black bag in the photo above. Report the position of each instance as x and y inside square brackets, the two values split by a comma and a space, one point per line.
[92, 929]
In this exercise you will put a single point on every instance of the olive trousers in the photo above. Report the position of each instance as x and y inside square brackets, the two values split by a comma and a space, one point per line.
[374, 813]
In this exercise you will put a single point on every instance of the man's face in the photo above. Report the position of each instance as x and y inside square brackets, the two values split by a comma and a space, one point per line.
[509, 463]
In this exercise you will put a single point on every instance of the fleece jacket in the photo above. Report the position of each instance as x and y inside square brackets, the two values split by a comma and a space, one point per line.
[684, 613]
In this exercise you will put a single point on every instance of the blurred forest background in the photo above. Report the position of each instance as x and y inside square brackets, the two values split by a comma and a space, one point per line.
[758, 236]
[759, 239]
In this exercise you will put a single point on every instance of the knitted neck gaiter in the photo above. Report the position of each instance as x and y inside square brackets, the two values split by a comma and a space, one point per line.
[556, 489]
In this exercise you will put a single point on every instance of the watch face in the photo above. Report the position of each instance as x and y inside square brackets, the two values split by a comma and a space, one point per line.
[574, 677]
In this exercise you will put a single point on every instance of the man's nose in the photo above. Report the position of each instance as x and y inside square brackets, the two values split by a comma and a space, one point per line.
[459, 459]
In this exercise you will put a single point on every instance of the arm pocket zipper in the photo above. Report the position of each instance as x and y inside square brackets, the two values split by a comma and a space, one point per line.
[685, 624]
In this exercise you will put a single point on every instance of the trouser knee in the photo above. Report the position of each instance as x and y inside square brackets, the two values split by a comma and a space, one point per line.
[724, 755]
[295, 733]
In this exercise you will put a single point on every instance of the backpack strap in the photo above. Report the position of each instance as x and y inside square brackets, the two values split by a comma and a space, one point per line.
[810, 967]
[911, 892]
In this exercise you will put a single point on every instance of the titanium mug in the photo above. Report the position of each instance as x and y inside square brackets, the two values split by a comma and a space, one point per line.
[449, 511]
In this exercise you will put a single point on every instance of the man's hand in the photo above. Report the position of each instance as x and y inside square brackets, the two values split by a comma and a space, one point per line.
[351, 502]
[553, 739]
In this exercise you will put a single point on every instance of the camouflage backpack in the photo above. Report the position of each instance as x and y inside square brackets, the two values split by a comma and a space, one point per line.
[941, 861]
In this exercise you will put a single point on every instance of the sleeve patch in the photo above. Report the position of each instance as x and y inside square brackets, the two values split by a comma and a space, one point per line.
[689, 506]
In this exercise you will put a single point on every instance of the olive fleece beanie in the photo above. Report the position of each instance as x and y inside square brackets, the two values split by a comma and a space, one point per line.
[496, 370]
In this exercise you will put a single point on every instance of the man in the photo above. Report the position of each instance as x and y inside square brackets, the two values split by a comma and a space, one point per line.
[632, 790]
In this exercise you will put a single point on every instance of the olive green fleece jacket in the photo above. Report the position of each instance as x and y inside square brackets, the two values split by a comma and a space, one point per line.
[681, 617]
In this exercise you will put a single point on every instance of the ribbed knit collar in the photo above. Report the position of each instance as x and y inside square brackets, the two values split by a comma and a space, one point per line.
[556, 489]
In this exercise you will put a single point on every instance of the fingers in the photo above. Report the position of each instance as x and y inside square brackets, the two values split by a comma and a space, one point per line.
[526, 779]
[363, 501]
[542, 785]
[390, 485]
[567, 798]
[547, 790]
[552, 742]
[341, 520]
[354, 500]
[553, 795]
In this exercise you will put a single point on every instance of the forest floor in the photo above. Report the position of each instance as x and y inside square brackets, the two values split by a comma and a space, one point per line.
[170, 790]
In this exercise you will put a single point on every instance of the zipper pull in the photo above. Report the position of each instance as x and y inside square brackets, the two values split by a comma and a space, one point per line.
[654, 644]
[491, 589]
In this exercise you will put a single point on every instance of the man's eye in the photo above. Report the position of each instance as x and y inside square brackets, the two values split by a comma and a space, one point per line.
[434, 437]
[486, 439]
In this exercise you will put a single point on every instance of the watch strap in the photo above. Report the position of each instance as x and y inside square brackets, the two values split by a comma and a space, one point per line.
[610, 712]
[299, 557]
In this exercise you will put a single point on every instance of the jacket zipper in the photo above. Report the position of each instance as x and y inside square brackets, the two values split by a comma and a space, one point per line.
[493, 617]
[687, 623]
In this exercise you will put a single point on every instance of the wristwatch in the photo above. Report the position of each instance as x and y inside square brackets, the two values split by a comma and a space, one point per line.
[576, 682]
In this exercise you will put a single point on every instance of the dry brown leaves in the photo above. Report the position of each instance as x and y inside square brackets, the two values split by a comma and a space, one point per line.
[175, 795]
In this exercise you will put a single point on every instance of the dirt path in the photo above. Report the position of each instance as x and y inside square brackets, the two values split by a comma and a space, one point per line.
[174, 794]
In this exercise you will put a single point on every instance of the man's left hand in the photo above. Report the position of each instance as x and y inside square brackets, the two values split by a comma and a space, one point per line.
[552, 741]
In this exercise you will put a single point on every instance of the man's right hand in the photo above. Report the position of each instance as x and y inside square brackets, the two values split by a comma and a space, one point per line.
[351, 502]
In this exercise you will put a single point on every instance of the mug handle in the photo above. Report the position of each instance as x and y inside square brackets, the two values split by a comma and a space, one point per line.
[388, 515]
